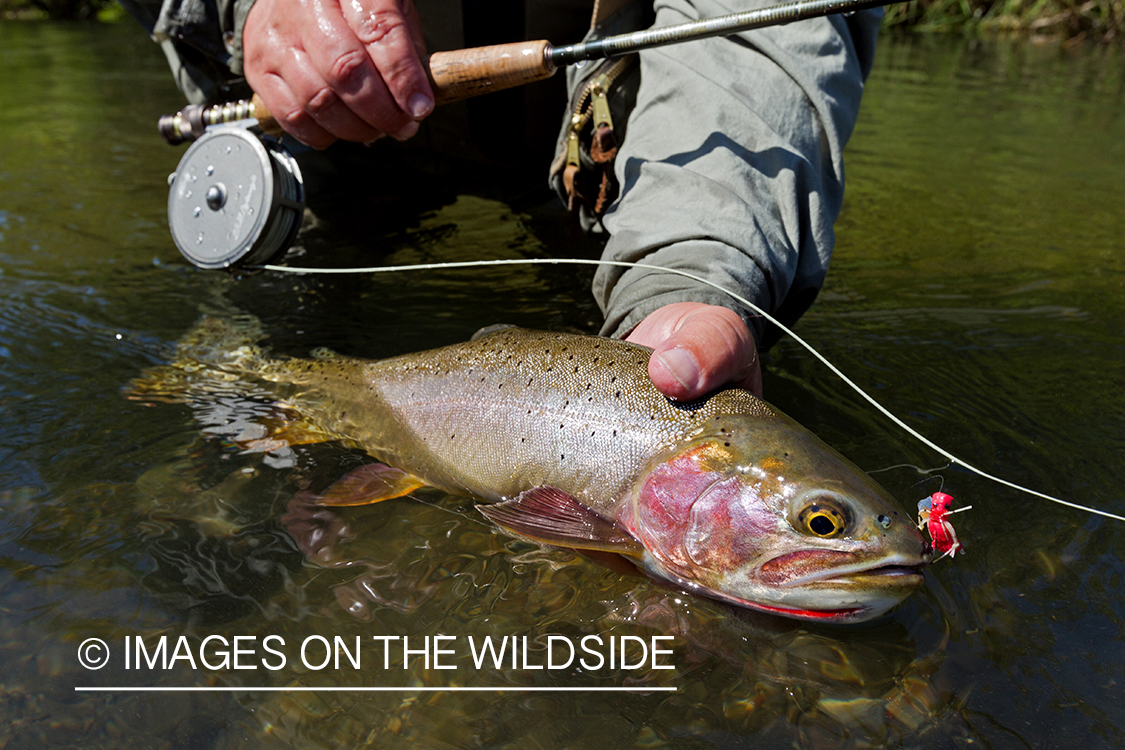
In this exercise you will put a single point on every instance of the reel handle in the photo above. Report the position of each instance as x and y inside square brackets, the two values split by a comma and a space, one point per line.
[454, 75]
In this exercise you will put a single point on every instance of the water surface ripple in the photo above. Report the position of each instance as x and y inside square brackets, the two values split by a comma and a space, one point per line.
[976, 290]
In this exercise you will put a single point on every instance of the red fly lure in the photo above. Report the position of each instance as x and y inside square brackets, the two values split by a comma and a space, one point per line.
[933, 512]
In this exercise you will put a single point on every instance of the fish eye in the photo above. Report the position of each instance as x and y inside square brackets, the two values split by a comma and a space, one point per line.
[823, 519]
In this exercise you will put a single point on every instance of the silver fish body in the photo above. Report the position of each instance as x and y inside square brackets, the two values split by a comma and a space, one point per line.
[724, 496]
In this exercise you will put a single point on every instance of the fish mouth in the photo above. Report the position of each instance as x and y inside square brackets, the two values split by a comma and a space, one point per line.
[897, 571]
[890, 582]
[833, 615]
[869, 589]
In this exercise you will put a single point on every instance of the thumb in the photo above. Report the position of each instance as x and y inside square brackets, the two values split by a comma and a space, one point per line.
[704, 347]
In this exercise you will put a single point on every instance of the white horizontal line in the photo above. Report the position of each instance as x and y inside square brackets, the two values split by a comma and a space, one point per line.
[308, 689]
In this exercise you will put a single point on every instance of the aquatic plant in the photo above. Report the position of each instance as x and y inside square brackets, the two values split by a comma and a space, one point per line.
[1100, 20]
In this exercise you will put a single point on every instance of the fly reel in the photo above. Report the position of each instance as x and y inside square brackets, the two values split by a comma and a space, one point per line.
[235, 200]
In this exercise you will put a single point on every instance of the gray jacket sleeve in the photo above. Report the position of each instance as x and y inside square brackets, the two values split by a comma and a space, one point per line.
[202, 40]
[732, 166]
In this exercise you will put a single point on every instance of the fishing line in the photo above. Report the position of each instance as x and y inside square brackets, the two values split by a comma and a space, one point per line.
[742, 300]
[918, 469]
[472, 518]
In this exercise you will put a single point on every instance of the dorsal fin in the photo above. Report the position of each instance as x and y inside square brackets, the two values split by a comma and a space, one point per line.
[489, 330]
[324, 353]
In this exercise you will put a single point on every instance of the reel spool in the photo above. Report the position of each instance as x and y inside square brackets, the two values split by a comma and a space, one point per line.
[235, 200]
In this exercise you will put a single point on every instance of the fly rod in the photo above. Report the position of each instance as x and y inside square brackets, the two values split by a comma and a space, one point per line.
[461, 74]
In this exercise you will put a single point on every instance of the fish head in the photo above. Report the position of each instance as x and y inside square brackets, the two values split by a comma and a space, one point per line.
[761, 513]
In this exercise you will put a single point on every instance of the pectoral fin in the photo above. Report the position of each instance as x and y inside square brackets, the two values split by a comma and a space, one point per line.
[370, 483]
[551, 516]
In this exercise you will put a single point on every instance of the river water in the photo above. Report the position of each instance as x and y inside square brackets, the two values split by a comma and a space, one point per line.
[976, 290]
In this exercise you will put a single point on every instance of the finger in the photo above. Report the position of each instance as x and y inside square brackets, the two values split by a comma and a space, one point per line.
[698, 348]
[354, 103]
[290, 113]
[319, 96]
[414, 23]
[389, 32]
[269, 39]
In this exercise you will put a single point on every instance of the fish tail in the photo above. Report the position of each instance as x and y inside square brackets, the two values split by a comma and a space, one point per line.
[228, 342]
[219, 354]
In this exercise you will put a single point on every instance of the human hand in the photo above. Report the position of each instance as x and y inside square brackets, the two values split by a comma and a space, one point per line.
[698, 348]
[331, 69]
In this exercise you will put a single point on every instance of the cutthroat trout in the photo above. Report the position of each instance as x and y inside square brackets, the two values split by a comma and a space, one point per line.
[570, 444]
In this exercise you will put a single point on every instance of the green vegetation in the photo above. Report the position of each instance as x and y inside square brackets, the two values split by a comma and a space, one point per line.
[1101, 20]
[60, 10]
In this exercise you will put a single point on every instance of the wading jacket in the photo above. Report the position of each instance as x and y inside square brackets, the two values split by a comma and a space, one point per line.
[732, 163]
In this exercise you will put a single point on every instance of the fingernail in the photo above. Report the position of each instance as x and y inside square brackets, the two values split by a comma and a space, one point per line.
[420, 105]
[683, 367]
[407, 131]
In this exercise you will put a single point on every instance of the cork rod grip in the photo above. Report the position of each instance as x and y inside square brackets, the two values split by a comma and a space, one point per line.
[471, 72]
[266, 122]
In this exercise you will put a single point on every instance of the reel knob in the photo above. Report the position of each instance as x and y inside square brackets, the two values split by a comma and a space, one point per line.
[235, 200]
